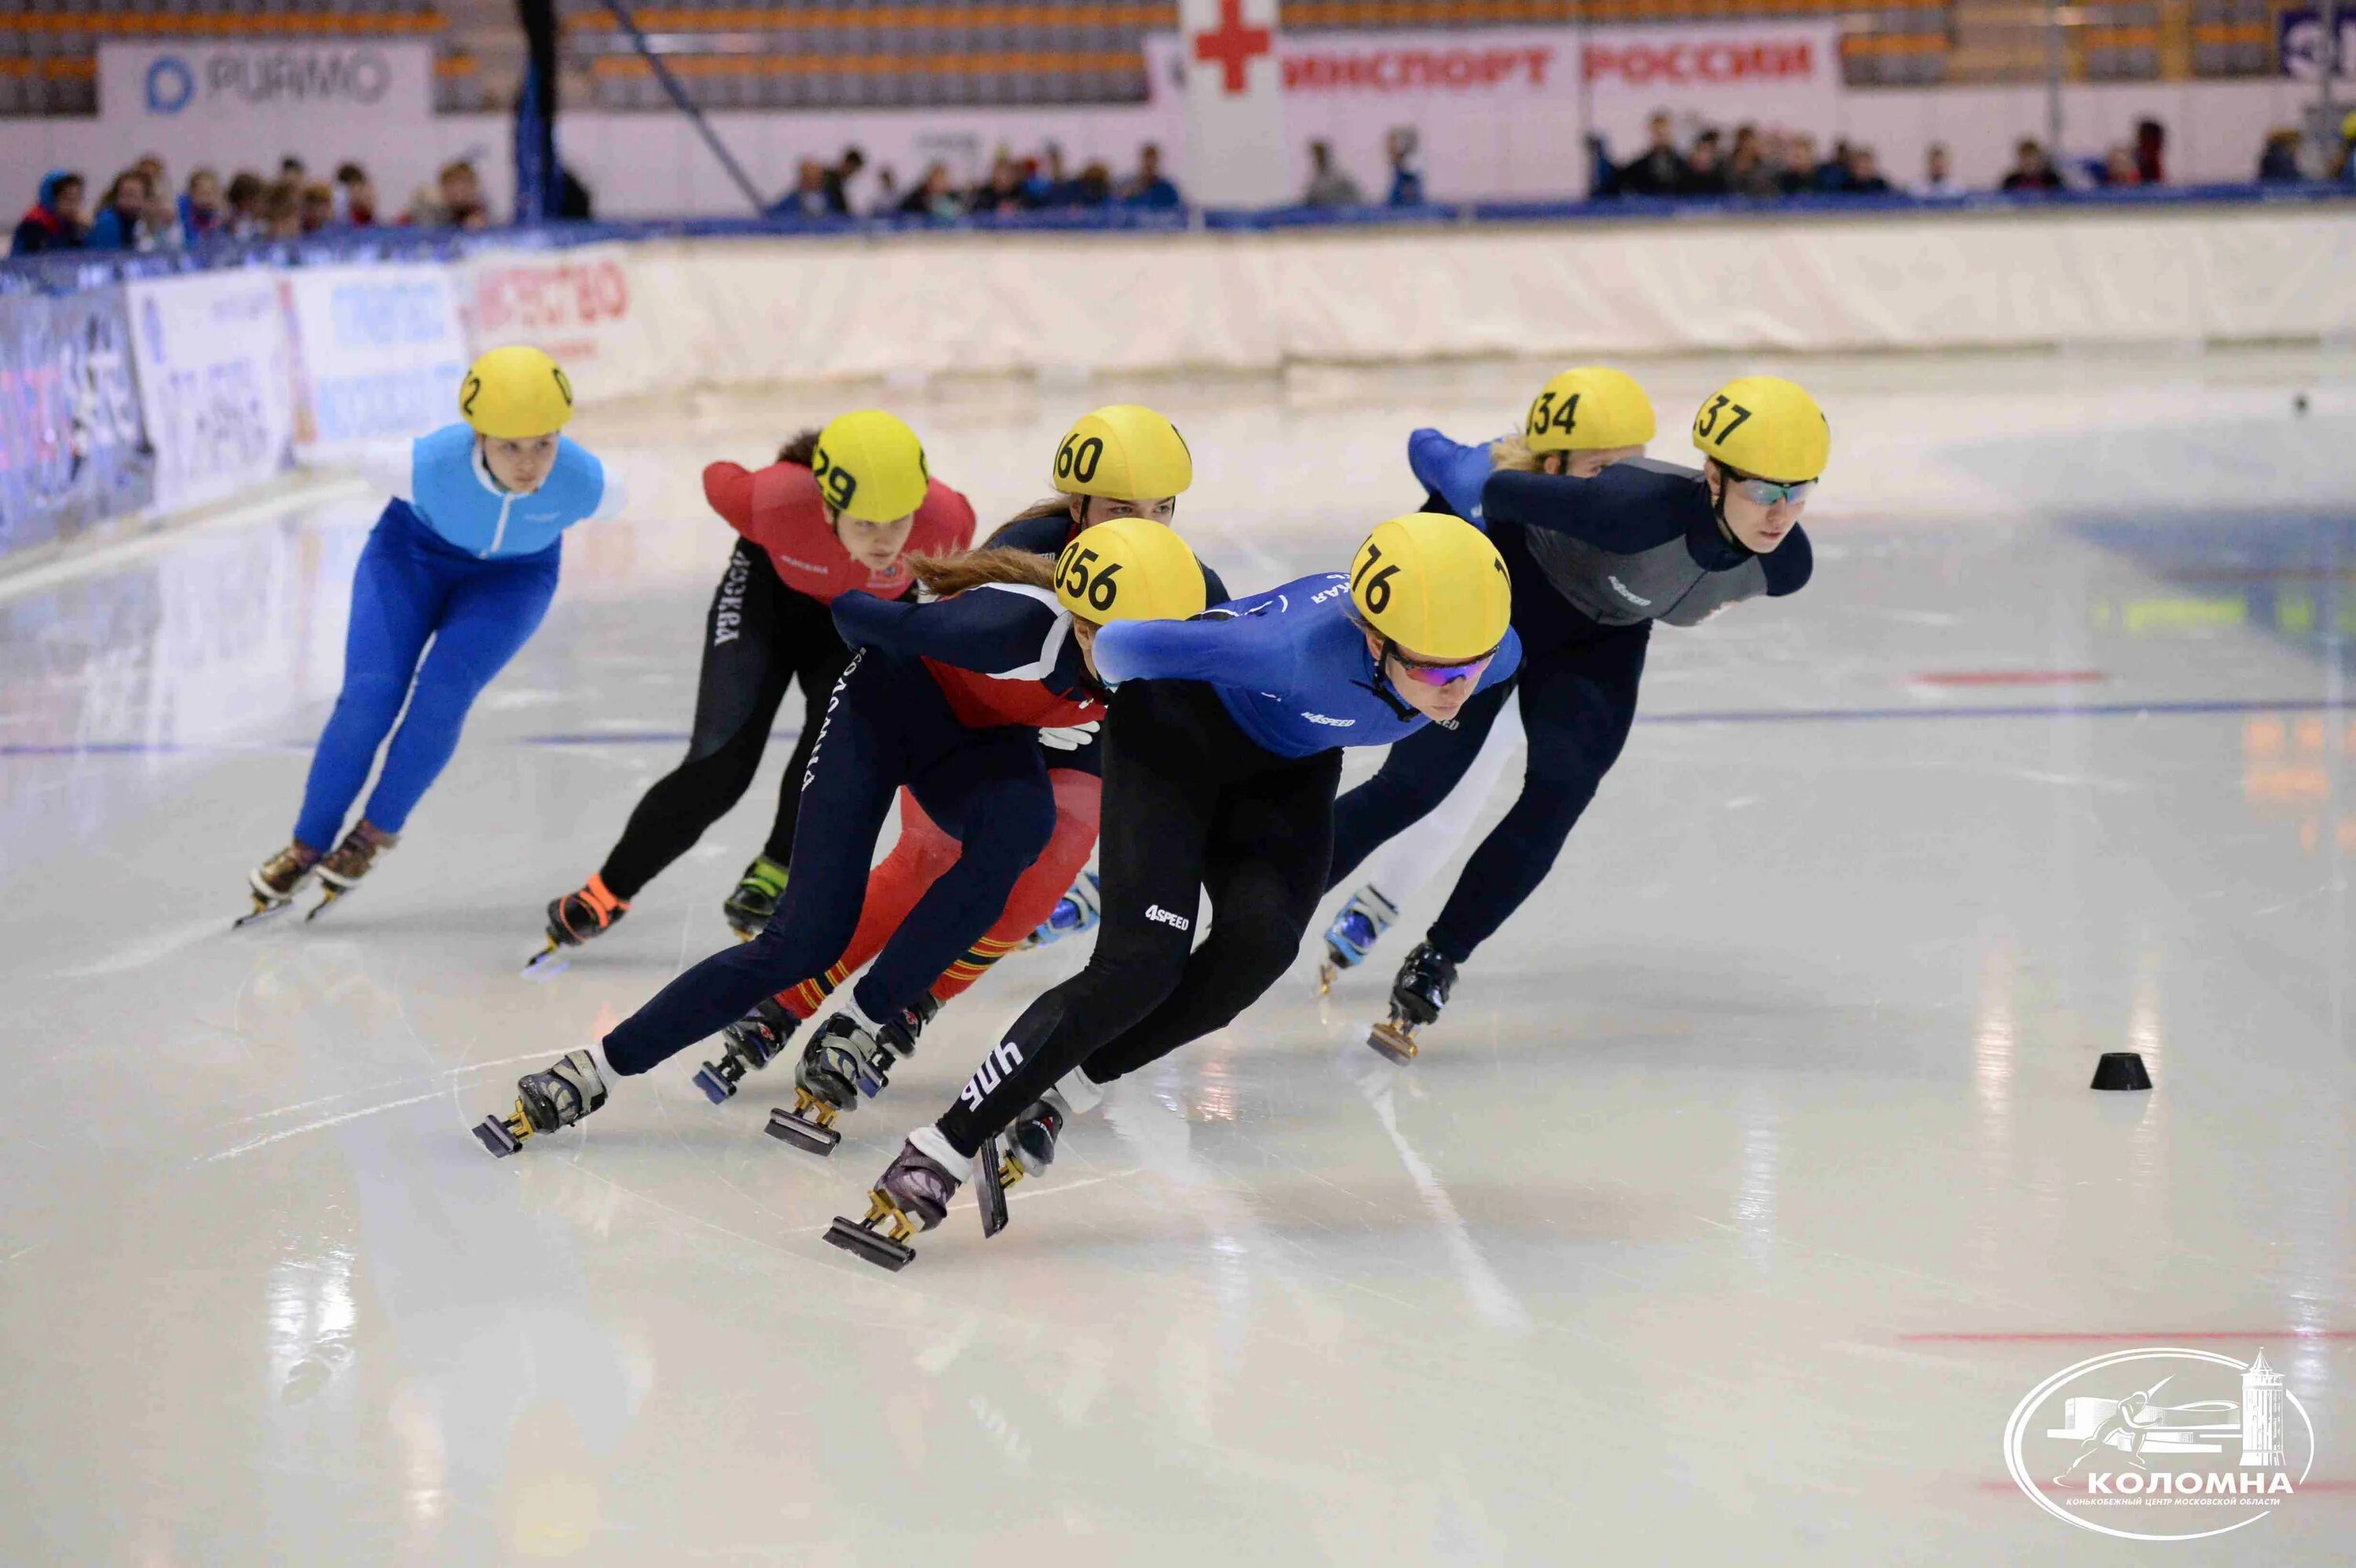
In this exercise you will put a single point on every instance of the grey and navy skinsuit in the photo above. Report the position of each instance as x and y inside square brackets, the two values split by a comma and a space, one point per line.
[1594, 563]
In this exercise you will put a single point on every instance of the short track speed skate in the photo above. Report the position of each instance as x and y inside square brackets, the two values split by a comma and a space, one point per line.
[546, 1101]
[580, 915]
[912, 1196]
[276, 880]
[1416, 996]
[841, 1062]
[1078, 910]
[1354, 934]
[751, 1044]
[747, 910]
[341, 868]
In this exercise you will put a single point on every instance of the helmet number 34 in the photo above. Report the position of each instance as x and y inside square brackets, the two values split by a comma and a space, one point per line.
[1096, 587]
[1377, 588]
[1547, 414]
[1705, 426]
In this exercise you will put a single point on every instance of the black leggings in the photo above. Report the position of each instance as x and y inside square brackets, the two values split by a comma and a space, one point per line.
[885, 725]
[1578, 697]
[1190, 804]
[761, 636]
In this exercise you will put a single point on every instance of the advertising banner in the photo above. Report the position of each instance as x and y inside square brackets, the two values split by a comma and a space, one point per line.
[1505, 111]
[2300, 40]
[73, 444]
[282, 92]
[376, 353]
[216, 381]
[583, 305]
[1234, 102]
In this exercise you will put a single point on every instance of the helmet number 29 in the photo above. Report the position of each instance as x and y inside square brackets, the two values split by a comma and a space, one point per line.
[1078, 459]
[1377, 588]
[1098, 587]
[1706, 423]
[838, 482]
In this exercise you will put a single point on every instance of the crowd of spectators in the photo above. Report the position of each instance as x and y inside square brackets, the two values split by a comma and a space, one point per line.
[1043, 182]
[138, 210]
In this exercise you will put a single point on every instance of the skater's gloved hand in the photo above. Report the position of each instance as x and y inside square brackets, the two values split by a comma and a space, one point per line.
[1070, 739]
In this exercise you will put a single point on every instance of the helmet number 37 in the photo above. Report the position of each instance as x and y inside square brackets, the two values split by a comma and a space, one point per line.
[1705, 426]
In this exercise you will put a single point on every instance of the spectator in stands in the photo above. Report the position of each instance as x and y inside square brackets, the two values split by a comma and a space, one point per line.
[1864, 177]
[1799, 174]
[1003, 191]
[935, 198]
[1938, 173]
[2151, 152]
[202, 216]
[1094, 188]
[461, 191]
[1705, 167]
[838, 181]
[121, 222]
[809, 197]
[54, 220]
[1402, 144]
[1658, 170]
[886, 199]
[1748, 172]
[291, 167]
[318, 207]
[2119, 168]
[2279, 161]
[281, 211]
[1329, 185]
[1151, 187]
[246, 191]
[163, 213]
[2032, 169]
[1046, 184]
[355, 197]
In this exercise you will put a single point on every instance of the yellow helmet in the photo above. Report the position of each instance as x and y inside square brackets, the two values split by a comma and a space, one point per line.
[1589, 409]
[1434, 585]
[1132, 569]
[871, 466]
[1127, 452]
[1765, 427]
[515, 393]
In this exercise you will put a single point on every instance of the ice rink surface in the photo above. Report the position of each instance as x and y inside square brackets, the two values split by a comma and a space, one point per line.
[1748, 1182]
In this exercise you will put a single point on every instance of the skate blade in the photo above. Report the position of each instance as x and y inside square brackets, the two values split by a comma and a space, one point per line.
[498, 1138]
[793, 1127]
[1326, 973]
[880, 1250]
[254, 916]
[321, 907]
[1392, 1041]
[714, 1084]
[990, 1188]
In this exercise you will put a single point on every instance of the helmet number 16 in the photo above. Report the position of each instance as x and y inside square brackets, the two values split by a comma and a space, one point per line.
[1377, 588]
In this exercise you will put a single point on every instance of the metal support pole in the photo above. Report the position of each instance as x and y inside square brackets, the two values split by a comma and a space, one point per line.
[686, 106]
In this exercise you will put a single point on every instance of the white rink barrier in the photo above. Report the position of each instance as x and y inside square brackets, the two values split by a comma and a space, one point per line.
[239, 372]
[672, 315]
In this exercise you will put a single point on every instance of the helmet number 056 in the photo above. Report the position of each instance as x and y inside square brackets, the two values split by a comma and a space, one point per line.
[1378, 587]
[1707, 425]
[1098, 587]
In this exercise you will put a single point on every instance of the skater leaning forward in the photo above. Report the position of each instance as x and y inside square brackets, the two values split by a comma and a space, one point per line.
[465, 556]
[841, 508]
[1595, 562]
[943, 698]
[1222, 753]
[1120, 461]
[1581, 422]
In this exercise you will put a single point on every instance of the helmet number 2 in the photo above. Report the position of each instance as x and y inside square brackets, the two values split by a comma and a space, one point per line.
[1374, 590]
[1705, 424]
[1076, 459]
[1096, 588]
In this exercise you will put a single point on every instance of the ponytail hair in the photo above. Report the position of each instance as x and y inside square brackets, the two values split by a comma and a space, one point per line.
[1512, 453]
[801, 449]
[942, 575]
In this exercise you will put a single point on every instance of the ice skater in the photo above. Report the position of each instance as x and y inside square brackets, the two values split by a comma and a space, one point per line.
[1120, 461]
[1595, 562]
[1581, 422]
[464, 556]
[1222, 753]
[841, 508]
[944, 698]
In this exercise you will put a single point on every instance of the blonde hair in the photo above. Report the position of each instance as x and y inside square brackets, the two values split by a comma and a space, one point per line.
[942, 575]
[1513, 452]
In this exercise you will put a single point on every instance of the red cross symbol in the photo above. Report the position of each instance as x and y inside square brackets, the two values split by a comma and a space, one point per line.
[1234, 45]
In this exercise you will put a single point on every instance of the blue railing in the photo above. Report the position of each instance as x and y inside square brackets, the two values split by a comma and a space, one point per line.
[74, 271]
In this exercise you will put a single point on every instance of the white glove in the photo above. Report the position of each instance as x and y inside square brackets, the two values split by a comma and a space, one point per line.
[1070, 740]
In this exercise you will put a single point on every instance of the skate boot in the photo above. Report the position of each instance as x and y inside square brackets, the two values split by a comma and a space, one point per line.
[545, 1102]
[1416, 996]
[341, 868]
[276, 880]
[1030, 1139]
[900, 1031]
[749, 909]
[752, 1042]
[1354, 934]
[841, 1060]
[574, 919]
[912, 1196]
[1076, 911]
